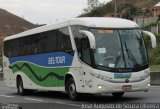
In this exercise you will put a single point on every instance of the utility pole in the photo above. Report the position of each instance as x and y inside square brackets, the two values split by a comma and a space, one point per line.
[115, 8]
[129, 13]
[154, 11]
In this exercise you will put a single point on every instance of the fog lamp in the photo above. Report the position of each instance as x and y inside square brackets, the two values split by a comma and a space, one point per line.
[99, 87]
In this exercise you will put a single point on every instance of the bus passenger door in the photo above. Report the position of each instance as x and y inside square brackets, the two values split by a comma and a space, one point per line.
[86, 64]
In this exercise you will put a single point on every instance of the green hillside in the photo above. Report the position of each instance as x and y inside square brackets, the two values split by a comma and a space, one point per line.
[121, 4]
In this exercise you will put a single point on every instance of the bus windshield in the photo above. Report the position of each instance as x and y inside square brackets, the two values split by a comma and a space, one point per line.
[120, 48]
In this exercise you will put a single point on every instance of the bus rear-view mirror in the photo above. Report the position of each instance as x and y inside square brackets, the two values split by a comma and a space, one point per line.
[90, 37]
[152, 37]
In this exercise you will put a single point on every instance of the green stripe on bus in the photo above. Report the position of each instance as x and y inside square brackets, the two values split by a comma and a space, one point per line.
[42, 76]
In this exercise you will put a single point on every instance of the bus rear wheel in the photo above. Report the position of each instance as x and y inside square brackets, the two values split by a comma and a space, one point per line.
[118, 94]
[71, 89]
[20, 88]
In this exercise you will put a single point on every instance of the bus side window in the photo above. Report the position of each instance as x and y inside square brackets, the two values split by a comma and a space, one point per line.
[64, 41]
[85, 51]
[50, 41]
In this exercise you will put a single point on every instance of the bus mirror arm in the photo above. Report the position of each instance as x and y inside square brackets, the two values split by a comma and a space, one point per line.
[153, 38]
[90, 37]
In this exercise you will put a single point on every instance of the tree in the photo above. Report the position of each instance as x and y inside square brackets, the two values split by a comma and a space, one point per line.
[92, 4]
[128, 11]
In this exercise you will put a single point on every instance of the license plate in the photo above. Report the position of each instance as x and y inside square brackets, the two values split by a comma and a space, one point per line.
[127, 87]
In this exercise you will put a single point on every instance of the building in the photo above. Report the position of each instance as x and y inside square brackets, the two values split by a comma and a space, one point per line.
[118, 15]
[155, 10]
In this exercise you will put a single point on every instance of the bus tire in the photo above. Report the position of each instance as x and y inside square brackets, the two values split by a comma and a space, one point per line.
[20, 88]
[71, 90]
[118, 94]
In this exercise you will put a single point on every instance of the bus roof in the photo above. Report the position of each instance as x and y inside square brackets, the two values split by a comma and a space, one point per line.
[102, 22]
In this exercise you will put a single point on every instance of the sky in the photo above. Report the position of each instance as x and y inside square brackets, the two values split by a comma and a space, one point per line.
[45, 11]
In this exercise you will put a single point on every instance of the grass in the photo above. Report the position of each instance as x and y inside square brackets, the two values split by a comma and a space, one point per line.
[155, 67]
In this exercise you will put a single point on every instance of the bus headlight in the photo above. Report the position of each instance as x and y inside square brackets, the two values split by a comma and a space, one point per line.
[99, 87]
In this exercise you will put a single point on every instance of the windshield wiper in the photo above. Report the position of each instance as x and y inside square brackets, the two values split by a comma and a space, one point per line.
[131, 56]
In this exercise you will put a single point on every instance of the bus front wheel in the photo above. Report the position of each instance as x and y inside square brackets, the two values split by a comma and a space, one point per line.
[118, 94]
[71, 89]
[20, 88]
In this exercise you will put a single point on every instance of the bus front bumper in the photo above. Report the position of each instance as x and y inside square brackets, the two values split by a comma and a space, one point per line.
[108, 87]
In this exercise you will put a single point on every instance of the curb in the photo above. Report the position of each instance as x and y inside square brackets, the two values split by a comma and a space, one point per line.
[155, 78]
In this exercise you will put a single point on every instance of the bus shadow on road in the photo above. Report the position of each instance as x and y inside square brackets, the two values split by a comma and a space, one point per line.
[108, 98]
[88, 98]
[45, 94]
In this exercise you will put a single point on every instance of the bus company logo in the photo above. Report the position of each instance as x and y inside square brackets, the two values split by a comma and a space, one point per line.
[56, 60]
[127, 81]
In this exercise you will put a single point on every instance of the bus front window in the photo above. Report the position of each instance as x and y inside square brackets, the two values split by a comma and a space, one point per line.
[119, 48]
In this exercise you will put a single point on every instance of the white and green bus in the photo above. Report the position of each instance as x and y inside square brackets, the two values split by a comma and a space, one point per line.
[79, 56]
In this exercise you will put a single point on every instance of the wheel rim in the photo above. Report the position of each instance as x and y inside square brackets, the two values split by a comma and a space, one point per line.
[72, 90]
[20, 88]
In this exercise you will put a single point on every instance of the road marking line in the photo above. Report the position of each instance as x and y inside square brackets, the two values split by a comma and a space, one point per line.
[155, 86]
[7, 96]
[33, 99]
[68, 104]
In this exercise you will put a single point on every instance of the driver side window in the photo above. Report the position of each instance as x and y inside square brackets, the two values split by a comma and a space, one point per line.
[85, 51]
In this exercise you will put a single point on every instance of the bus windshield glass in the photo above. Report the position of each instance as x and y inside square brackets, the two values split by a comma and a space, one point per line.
[120, 48]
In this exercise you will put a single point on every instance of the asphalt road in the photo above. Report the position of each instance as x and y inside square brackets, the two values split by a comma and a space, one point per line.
[59, 100]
